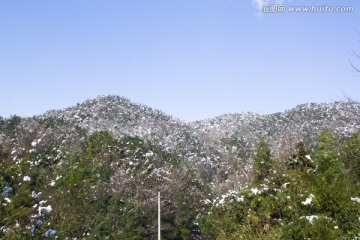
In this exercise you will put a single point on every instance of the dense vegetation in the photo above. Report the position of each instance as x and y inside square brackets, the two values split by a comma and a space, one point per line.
[95, 187]
[59, 179]
[312, 194]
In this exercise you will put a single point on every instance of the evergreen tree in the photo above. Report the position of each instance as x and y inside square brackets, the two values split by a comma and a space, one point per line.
[262, 161]
[351, 157]
[301, 159]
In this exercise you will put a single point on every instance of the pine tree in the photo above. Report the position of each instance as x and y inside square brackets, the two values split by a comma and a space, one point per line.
[262, 161]
[351, 157]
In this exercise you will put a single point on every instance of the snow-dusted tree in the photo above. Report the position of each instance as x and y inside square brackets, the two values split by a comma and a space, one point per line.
[262, 161]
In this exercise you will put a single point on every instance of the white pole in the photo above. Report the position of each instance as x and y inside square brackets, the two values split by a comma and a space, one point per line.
[159, 228]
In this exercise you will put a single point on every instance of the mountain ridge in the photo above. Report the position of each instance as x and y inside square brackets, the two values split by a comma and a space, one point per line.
[204, 143]
[124, 118]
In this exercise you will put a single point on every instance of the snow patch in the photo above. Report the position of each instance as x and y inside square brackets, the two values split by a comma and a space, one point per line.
[26, 179]
[255, 191]
[36, 195]
[310, 218]
[308, 200]
[43, 210]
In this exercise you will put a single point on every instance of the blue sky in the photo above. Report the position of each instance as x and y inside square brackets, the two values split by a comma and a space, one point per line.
[191, 59]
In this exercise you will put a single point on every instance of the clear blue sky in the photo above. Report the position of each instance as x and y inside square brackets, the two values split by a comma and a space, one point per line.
[191, 59]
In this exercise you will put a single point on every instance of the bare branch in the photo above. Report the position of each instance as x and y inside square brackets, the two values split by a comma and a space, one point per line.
[354, 67]
[355, 54]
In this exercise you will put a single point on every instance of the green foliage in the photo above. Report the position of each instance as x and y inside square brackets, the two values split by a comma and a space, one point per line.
[318, 228]
[262, 161]
[312, 199]
[100, 188]
[12, 123]
[350, 156]
[300, 159]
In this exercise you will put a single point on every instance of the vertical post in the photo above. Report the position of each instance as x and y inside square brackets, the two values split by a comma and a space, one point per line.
[159, 227]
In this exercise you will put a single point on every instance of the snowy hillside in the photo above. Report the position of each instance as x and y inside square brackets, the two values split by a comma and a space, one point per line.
[122, 117]
[282, 129]
[211, 145]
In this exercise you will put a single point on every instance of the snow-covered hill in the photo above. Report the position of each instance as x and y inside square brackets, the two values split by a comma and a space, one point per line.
[282, 129]
[219, 147]
[122, 117]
